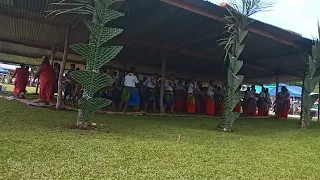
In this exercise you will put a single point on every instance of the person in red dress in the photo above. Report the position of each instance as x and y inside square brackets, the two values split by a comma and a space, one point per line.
[22, 75]
[46, 74]
[283, 103]
[180, 92]
[210, 108]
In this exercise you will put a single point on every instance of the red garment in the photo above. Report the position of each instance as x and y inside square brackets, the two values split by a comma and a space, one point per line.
[283, 114]
[283, 110]
[221, 109]
[191, 105]
[210, 106]
[21, 81]
[266, 112]
[46, 82]
[179, 103]
[198, 107]
[237, 108]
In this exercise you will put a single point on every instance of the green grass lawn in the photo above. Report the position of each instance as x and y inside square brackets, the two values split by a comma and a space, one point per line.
[10, 88]
[35, 143]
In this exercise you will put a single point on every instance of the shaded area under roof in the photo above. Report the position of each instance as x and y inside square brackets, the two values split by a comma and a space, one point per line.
[153, 28]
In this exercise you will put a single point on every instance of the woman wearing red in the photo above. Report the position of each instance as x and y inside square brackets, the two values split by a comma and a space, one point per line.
[180, 91]
[22, 75]
[210, 108]
[191, 100]
[46, 74]
[283, 103]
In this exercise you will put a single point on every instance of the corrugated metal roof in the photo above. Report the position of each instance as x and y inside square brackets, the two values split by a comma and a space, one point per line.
[153, 26]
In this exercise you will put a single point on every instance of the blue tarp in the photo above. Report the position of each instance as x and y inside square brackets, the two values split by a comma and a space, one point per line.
[295, 91]
[259, 88]
[3, 71]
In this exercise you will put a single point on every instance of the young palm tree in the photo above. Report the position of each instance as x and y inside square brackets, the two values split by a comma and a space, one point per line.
[310, 81]
[237, 23]
[95, 53]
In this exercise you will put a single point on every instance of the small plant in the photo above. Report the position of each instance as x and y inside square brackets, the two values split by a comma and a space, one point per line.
[237, 23]
[310, 81]
[95, 53]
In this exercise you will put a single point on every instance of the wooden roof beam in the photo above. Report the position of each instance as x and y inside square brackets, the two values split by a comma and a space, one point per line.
[34, 45]
[180, 51]
[192, 8]
[36, 19]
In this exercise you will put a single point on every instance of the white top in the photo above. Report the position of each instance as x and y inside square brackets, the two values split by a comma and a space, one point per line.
[130, 81]
[179, 87]
[191, 88]
[168, 85]
[210, 91]
[149, 83]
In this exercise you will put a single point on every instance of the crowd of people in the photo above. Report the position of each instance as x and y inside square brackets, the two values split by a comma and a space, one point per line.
[143, 94]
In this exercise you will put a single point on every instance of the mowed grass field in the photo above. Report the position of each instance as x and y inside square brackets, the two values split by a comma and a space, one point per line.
[36, 143]
[10, 87]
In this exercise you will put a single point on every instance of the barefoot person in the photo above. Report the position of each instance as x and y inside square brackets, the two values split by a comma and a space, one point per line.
[46, 75]
[210, 106]
[130, 94]
[169, 95]
[22, 76]
[191, 100]
[283, 103]
[149, 93]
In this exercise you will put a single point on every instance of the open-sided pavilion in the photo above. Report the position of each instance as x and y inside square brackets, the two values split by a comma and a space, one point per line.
[185, 33]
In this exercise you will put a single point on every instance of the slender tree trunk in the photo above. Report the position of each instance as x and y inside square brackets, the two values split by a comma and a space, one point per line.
[53, 52]
[63, 64]
[163, 77]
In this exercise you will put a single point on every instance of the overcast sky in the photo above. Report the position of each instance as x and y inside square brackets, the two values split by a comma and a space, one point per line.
[300, 16]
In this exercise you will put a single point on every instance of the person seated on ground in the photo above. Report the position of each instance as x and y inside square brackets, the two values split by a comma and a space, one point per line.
[69, 84]
[149, 94]
[210, 106]
[130, 94]
[46, 75]
[169, 94]
[283, 103]
[22, 75]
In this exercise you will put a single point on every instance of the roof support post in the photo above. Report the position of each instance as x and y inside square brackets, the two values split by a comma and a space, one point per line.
[163, 77]
[53, 52]
[62, 68]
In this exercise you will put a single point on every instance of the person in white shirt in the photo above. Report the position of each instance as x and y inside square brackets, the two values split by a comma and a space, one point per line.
[191, 101]
[169, 94]
[130, 94]
[149, 93]
[210, 106]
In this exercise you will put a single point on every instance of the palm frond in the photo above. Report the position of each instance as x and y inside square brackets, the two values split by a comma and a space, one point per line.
[83, 7]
